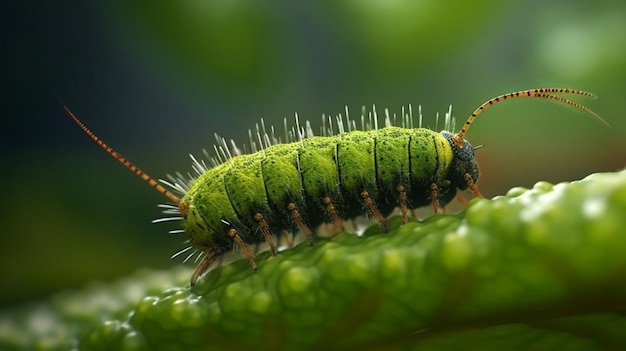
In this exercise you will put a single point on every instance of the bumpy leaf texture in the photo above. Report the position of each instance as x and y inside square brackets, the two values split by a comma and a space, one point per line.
[539, 269]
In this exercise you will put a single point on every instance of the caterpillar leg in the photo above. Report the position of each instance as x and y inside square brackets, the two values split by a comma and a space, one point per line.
[269, 238]
[434, 197]
[460, 198]
[330, 208]
[244, 248]
[402, 202]
[293, 209]
[286, 238]
[471, 185]
[414, 213]
[371, 207]
[209, 257]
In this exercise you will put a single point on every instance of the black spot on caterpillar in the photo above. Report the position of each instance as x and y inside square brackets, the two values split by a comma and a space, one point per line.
[244, 199]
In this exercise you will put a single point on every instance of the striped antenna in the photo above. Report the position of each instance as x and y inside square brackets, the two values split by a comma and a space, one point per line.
[109, 150]
[545, 93]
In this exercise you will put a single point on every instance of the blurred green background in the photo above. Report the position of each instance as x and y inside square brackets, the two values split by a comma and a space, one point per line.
[156, 82]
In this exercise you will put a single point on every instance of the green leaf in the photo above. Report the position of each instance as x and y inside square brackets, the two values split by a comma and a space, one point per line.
[538, 269]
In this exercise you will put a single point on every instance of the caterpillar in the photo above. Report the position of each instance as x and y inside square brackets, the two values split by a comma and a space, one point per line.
[243, 199]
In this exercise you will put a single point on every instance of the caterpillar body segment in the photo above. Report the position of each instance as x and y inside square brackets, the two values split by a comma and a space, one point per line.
[355, 173]
[247, 199]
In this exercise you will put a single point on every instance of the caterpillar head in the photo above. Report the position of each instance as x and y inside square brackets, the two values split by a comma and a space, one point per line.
[463, 165]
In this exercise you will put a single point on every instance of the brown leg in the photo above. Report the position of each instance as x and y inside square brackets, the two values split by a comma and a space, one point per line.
[434, 197]
[244, 248]
[298, 219]
[269, 238]
[330, 208]
[402, 203]
[460, 198]
[209, 256]
[470, 184]
[286, 238]
[371, 206]
[414, 214]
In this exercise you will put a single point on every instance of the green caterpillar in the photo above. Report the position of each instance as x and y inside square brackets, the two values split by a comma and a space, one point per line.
[295, 186]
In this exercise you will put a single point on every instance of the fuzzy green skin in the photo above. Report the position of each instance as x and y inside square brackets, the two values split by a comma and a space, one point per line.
[319, 173]
[207, 196]
[337, 167]
[357, 169]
